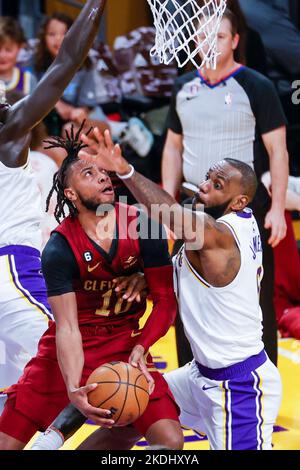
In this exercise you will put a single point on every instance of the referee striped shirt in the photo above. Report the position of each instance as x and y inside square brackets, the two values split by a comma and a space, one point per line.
[223, 120]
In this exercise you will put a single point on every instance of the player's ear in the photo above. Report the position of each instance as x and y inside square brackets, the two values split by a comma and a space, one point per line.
[239, 203]
[70, 194]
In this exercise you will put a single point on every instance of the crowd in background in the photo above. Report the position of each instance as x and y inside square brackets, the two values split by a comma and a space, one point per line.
[125, 90]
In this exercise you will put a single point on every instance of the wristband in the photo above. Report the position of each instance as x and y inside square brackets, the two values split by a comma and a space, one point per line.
[129, 175]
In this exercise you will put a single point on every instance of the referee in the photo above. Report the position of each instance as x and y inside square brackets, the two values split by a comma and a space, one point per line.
[231, 112]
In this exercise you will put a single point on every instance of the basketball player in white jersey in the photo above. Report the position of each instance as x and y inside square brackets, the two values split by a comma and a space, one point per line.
[231, 391]
[24, 309]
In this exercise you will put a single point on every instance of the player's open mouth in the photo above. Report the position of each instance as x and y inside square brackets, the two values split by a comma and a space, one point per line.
[108, 190]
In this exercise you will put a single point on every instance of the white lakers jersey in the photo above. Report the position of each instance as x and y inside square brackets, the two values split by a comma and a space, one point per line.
[20, 207]
[44, 169]
[224, 325]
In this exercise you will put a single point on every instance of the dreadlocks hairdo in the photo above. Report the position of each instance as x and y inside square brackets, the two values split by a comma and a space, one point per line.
[72, 144]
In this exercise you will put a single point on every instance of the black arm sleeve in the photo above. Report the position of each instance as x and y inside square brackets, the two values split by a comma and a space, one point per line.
[59, 266]
[264, 100]
[153, 243]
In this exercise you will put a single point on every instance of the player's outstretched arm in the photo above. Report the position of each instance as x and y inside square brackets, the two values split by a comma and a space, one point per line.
[197, 229]
[23, 116]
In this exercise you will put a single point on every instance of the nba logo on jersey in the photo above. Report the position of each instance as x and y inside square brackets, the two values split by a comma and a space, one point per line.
[228, 99]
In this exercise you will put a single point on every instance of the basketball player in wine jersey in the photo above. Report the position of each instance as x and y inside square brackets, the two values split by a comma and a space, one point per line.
[24, 309]
[95, 324]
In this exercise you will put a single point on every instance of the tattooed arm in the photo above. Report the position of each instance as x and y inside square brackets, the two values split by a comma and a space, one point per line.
[196, 228]
[23, 116]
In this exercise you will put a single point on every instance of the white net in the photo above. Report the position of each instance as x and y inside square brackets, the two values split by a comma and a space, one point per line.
[187, 30]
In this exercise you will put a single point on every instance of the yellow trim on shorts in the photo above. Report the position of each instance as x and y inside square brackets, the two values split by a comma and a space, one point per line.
[262, 411]
[21, 293]
[224, 414]
[262, 401]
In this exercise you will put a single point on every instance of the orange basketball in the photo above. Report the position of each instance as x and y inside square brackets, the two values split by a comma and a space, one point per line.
[122, 389]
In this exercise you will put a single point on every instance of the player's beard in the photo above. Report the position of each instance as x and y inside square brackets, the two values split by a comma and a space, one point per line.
[95, 206]
[217, 211]
[214, 211]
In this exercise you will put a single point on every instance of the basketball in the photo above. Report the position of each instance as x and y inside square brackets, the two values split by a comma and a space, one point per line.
[122, 389]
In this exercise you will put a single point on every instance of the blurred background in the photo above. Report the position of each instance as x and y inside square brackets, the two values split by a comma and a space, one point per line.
[121, 16]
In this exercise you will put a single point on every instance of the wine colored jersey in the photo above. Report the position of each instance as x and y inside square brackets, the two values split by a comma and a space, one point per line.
[72, 262]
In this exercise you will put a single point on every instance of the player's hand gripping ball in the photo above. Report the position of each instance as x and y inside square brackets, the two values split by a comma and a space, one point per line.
[122, 389]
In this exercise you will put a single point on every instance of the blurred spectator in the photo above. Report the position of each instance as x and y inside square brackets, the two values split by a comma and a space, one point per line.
[146, 87]
[11, 41]
[73, 107]
[287, 284]
[287, 266]
[9, 7]
[140, 73]
[80, 99]
[30, 16]
[28, 12]
[281, 39]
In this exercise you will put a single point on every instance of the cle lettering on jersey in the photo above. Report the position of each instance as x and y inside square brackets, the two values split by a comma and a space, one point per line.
[98, 286]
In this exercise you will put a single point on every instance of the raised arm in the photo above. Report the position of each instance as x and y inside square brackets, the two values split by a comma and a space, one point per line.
[196, 228]
[23, 116]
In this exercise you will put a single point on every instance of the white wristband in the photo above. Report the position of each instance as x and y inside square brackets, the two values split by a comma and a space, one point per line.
[129, 175]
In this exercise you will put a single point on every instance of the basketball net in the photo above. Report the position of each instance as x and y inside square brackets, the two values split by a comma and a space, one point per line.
[186, 31]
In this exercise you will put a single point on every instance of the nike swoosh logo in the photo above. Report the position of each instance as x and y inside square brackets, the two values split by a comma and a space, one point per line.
[133, 334]
[90, 270]
[205, 388]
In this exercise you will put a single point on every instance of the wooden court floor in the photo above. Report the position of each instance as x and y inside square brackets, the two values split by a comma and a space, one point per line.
[287, 432]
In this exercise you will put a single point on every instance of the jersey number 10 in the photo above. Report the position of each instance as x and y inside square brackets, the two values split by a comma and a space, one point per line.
[105, 311]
